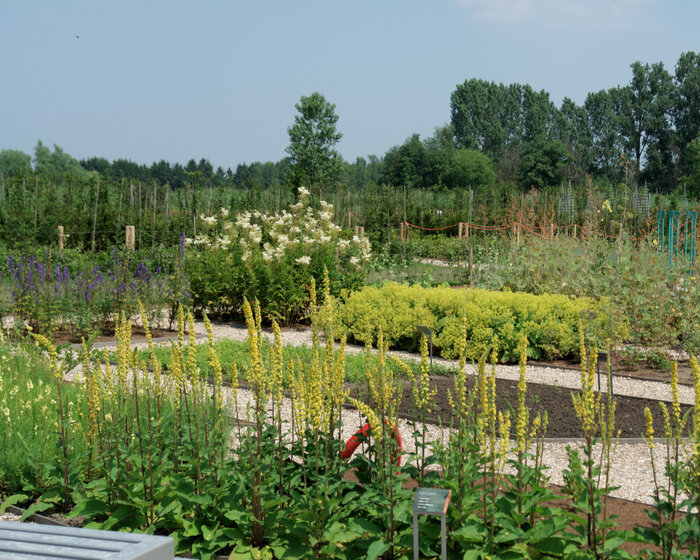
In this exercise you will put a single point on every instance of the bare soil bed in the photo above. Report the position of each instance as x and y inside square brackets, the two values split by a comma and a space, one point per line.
[563, 422]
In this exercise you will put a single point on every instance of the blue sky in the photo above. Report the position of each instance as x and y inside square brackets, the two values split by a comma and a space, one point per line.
[168, 79]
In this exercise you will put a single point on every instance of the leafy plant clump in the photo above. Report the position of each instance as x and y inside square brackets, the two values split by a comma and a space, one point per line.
[272, 258]
[493, 319]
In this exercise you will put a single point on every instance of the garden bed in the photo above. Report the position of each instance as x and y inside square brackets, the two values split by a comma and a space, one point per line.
[563, 422]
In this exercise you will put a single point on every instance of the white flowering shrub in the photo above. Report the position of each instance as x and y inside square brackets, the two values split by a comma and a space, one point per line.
[272, 257]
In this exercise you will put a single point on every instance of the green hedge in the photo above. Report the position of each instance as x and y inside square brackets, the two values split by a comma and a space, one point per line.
[550, 322]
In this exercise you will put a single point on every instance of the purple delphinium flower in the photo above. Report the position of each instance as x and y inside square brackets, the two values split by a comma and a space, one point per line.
[41, 269]
[182, 244]
[58, 274]
[142, 272]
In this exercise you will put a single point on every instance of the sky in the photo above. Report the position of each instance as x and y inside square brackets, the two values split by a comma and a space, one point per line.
[148, 80]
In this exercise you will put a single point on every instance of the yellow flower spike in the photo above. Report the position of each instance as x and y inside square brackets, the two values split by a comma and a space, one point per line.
[215, 365]
[492, 412]
[258, 323]
[315, 408]
[337, 394]
[180, 327]
[504, 424]
[48, 346]
[536, 424]
[93, 394]
[276, 365]
[695, 367]
[649, 436]
[522, 414]
[545, 423]
[667, 420]
[482, 417]
[192, 369]
[675, 400]
[256, 373]
[155, 363]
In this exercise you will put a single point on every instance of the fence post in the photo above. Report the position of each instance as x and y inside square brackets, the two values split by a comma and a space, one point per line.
[459, 230]
[61, 238]
[401, 231]
[362, 231]
[357, 231]
[130, 237]
[406, 228]
[575, 226]
[465, 230]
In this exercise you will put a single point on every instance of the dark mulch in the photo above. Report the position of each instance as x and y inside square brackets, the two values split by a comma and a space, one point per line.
[563, 422]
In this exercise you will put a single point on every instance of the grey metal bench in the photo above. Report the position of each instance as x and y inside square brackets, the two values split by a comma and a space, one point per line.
[25, 541]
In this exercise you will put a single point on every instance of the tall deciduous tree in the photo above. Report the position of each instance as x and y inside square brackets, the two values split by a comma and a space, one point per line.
[15, 163]
[607, 144]
[643, 109]
[312, 137]
[686, 110]
[542, 164]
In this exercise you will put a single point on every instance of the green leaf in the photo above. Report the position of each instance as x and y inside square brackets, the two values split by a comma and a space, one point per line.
[12, 500]
[37, 507]
[89, 508]
[377, 548]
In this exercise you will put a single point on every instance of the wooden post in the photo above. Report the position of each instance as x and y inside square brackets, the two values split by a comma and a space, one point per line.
[575, 226]
[357, 231]
[61, 238]
[362, 231]
[466, 230]
[401, 232]
[130, 237]
[406, 230]
[459, 230]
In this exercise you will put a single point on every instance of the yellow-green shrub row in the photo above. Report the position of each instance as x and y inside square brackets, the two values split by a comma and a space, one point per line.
[550, 322]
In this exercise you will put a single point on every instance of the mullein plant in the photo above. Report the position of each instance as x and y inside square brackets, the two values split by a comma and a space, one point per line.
[422, 396]
[382, 472]
[595, 534]
[675, 531]
[57, 372]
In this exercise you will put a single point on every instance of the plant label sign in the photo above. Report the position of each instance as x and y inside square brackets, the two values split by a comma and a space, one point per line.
[431, 501]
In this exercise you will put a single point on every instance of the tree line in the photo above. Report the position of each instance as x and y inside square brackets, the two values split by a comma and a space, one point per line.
[502, 140]
[642, 132]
